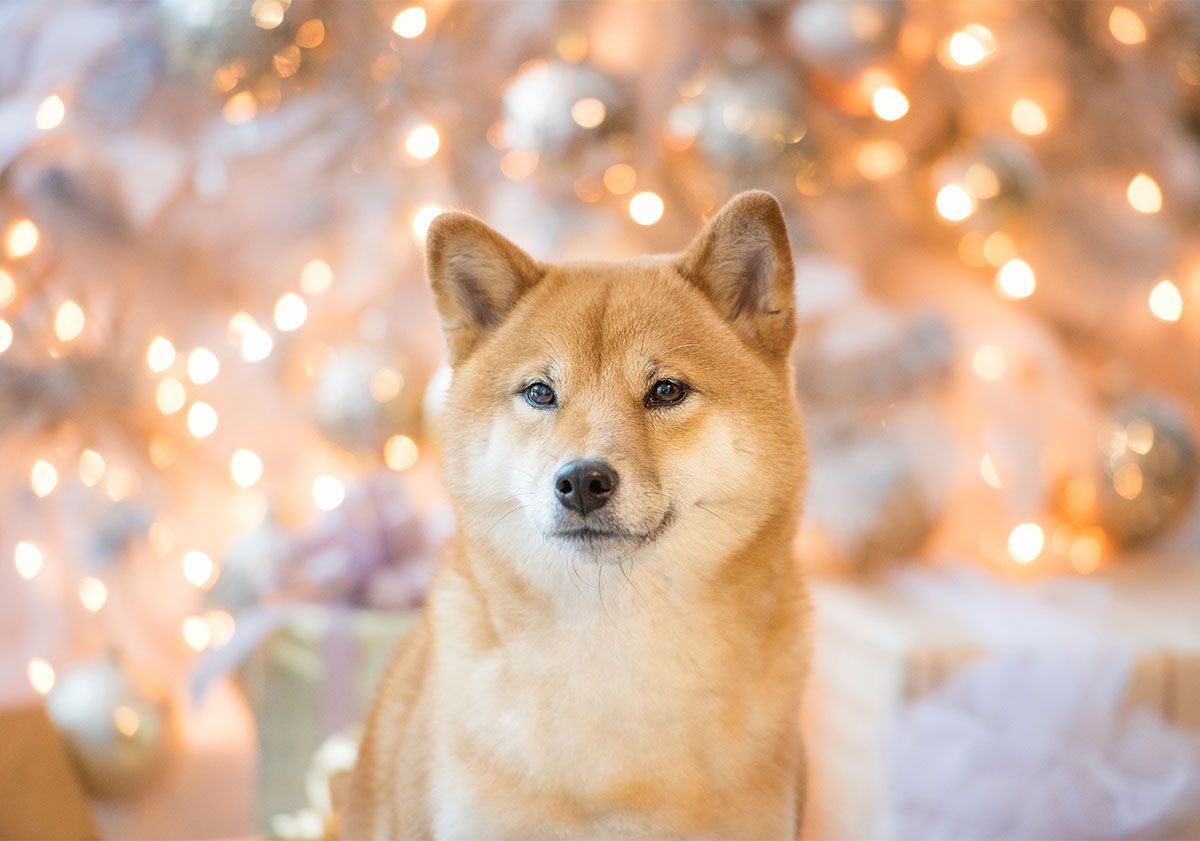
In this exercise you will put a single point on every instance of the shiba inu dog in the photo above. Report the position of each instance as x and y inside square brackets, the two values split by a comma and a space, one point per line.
[613, 645]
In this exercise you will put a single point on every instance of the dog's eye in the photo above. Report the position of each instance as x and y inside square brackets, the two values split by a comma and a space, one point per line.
[539, 395]
[666, 393]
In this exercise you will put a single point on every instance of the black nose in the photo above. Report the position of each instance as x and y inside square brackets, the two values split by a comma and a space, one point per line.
[585, 485]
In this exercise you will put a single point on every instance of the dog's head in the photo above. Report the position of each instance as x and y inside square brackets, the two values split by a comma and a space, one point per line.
[619, 411]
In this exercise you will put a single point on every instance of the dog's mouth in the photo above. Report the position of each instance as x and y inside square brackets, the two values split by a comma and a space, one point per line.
[593, 534]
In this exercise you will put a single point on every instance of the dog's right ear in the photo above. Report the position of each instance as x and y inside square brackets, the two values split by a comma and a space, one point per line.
[477, 276]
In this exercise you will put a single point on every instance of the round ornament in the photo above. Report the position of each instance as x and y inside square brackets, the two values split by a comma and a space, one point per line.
[362, 397]
[250, 567]
[843, 36]
[1148, 468]
[739, 115]
[554, 108]
[117, 733]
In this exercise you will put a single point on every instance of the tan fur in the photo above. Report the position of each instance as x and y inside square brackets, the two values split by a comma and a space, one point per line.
[634, 688]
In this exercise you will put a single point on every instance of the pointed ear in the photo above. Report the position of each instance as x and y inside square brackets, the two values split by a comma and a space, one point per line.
[743, 262]
[477, 276]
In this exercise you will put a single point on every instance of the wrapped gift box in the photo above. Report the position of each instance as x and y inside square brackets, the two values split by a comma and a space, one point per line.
[909, 668]
[312, 677]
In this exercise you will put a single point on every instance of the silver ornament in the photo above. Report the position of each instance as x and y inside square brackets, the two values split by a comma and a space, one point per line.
[1148, 468]
[843, 36]
[250, 567]
[555, 108]
[362, 397]
[740, 115]
[117, 734]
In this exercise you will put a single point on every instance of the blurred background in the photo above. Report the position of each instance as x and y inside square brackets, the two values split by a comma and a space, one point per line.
[219, 363]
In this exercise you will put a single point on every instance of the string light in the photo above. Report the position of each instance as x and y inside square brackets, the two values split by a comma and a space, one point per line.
[203, 366]
[27, 558]
[386, 384]
[6, 335]
[879, 159]
[1087, 550]
[92, 594]
[987, 469]
[196, 633]
[517, 164]
[400, 452]
[1166, 302]
[328, 492]
[588, 112]
[954, 203]
[1128, 480]
[999, 248]
[1025, 543]
[246, 468]
[126, 720]
[316, 276]
[120, 483]
[43, 478]
[410, 22]
[222, 626]
[160, 355]
[423, 142]
[1144, 194]
[68, 321]
[199, 569]
[21, 238]
[257, 345]
[161, 538]
[41, 675]
[290, 312]
[310, 34]
[240, 108]
[50, 113]
[646, 208]
[201, 420]
[1126, 25]
[268, 14]
[91, 467]
[970, 45]
[619, 179]
[1015, 280]
[423, 218]
[8, 289]
[889, 103]
[1028, 117]
[990, 363]
[170, 396]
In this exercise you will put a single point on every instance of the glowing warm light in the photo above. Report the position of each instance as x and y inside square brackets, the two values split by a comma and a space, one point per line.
[201, 420]
[246, 467]
[68, 321]
[199, 569]
[162, 452]
[160, 355]
[91, 467]
[386, 384]
[170, 396]
[1025, 543]
[6, 335]
[588, 112]
[879, 159]
[43, 478]
[1015, 280]
[1139, 436]
[889, 103]
[519, 163]
[400, 452]
[1128, 480]
[121, 482]
[126, 720]
[203, 366]
[619, 179]
[1126, 25]
[50, 113]
[240, 108]
[423, 142]
[196, 633]
[92, 593]
[572, 47]
[1144, 194]
[423, 218]
[161, 538]
[310, 34]
[27, 558]
[41, 675]
[410, 22]
[646, 208]
[1087, 550]
[21, 238]
[990, 363]
[1028, 117]
[8, 289]
[222, 626]
[328, 492]
[290, 312]
[987, 469]
[1166, 302]
[256, 344]
[970, 45]
[268, 14]
[315, 277]
[999, 248]
[954, 203]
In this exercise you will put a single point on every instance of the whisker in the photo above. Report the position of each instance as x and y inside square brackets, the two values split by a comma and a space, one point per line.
[501, 518]
[702, 507]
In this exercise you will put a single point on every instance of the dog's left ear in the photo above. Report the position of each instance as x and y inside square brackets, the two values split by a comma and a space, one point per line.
[743, 262]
